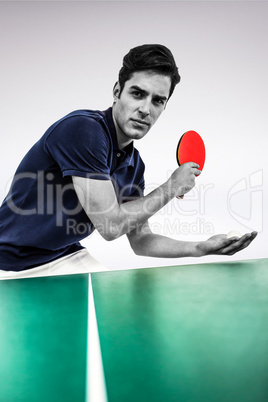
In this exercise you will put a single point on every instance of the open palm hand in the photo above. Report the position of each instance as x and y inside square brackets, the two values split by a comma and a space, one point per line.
[220, 245]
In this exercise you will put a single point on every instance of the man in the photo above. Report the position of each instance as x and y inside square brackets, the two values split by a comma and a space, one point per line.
[85, 174]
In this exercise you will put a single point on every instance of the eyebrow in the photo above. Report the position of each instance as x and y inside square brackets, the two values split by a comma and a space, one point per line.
[142, 91]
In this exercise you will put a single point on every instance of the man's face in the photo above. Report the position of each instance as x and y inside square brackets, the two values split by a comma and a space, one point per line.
[139, 105]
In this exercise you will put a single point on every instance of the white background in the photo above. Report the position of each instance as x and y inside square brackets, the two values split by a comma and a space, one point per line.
[60, 56]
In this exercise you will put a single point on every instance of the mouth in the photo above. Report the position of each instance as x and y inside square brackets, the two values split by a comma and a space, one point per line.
[140, 122]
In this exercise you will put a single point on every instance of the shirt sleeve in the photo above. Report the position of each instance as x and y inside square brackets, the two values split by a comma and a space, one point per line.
[138, 191]
[80, 147]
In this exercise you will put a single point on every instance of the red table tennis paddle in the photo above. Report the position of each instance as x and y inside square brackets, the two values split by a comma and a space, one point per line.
[191, 148]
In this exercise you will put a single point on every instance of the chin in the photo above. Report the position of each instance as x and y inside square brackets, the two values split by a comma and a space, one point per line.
[136, 136]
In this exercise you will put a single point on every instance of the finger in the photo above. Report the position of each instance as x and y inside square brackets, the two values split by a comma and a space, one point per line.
[246, 237]
[249, 239]
[238, 244]
[194, 165]
[232, 244]
[230, 241]
[246, 244]
[197, 172]
[191, 164]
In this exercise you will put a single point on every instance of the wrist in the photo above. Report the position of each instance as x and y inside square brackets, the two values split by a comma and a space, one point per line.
[191, 249]
[172, 188]
[200, 249]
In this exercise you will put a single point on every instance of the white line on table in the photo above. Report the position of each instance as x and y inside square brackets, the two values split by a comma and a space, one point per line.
[95, 383]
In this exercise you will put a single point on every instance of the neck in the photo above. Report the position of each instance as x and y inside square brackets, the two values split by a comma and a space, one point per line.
[122, 140]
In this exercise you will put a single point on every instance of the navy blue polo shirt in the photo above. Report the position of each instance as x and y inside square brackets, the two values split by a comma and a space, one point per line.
[41, 218]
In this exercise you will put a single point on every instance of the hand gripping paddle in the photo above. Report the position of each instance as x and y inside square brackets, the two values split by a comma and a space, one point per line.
[191, 148]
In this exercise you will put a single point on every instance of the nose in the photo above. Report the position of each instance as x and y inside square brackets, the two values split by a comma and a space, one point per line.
[144, 108]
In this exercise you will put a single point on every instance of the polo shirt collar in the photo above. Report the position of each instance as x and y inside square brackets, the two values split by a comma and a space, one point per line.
[128, 152]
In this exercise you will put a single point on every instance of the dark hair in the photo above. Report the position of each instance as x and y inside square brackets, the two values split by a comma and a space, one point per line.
[157, 58]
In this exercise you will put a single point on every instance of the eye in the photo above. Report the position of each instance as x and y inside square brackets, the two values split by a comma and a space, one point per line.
[159, 101]
[136, 94]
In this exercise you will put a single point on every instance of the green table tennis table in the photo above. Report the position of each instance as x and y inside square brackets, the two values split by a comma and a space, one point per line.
[192, 333]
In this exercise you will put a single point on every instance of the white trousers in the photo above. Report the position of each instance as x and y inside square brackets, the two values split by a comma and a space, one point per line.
[79, 262]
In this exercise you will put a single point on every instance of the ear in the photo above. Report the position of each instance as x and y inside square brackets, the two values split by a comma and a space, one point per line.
[116, 91]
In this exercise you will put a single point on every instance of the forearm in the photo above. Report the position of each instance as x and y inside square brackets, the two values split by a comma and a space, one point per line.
[153, 245]
[134, 213]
